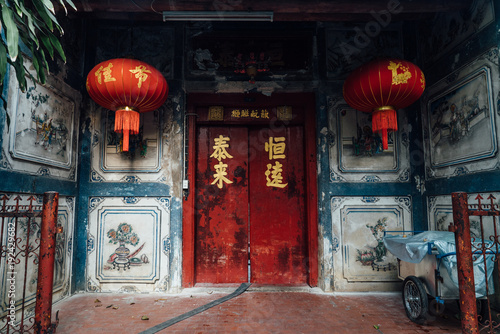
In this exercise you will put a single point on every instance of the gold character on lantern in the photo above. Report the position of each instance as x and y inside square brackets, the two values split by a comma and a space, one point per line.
[399, 78]
[422, 81]
[106, 71]
[140, 73]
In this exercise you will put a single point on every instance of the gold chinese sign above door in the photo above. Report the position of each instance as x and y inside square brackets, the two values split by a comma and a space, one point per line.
[279, 113]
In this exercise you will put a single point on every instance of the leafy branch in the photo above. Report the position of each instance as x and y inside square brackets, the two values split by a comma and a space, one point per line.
[32, 24]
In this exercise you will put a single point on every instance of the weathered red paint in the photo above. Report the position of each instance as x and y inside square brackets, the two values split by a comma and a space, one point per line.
[278, 236]
[48, 230]
[304, 115]
[465, 267]
[221, 252]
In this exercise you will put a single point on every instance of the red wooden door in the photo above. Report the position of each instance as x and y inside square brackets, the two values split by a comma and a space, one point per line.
[250, 195]
[278, 247]
[221, 207]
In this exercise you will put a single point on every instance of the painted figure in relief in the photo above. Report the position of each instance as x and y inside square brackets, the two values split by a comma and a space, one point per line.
[375, 256]
[122, 258]
[47, 129]
[460, 122]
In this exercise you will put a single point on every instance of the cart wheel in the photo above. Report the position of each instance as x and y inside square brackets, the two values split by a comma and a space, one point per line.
[415, 300]
[436, 308]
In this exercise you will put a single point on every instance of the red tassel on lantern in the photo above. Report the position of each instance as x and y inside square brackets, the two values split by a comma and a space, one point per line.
[384, 119]
[126, 122]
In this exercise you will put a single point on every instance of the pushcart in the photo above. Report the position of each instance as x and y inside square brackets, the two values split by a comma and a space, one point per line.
[426, 284]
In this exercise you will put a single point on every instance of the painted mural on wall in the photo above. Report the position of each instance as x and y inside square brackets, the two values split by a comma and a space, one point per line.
[42, 127]
[460, 120]
[375, 256]
[27, 234]
[40, 136]
[347, 49]
[123, 257]
[448, 30]
[128, 244]
[361, 260]
[356, 153]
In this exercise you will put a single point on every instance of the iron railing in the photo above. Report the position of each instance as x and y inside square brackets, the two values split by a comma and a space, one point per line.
[483, 243]
[27, 245]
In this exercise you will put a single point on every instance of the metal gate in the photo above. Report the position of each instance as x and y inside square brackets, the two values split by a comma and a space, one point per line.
[470, 248]
[20, 248]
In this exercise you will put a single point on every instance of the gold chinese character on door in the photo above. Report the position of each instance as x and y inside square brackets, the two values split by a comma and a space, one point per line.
[220, 153]
[276, 149]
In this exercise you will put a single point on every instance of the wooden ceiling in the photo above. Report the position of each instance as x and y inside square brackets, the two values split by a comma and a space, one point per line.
[285, 10]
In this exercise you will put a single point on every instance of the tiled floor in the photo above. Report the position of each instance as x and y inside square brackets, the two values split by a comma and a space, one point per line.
[255, 311]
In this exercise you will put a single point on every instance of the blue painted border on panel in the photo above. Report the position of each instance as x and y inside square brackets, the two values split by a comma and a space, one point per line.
[89, 189]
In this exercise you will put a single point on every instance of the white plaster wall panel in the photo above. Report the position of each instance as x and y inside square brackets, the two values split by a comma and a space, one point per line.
[154, 156]
[128, 244]
[41, 132]
[461, 120]
[62, 258]
[440, 213]
[356, 154]
[361, 261]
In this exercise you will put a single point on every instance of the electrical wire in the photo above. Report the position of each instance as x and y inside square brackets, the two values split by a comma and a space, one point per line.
[154, 10]
[138, 5]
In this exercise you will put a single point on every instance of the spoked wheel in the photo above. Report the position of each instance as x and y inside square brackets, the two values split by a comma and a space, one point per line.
[415, 300]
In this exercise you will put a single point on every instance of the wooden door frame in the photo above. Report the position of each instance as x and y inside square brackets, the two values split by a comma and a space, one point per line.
[307, 102]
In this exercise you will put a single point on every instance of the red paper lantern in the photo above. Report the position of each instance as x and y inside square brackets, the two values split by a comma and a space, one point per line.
[381, 87]
[129, 87]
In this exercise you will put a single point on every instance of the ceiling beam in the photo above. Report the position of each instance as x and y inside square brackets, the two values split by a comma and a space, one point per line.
[292, 10]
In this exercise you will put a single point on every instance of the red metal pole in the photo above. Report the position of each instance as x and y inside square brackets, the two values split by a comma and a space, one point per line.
[465, 267]
[48, 229]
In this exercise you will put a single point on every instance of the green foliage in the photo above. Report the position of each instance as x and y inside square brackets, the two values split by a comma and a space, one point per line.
[32, 23]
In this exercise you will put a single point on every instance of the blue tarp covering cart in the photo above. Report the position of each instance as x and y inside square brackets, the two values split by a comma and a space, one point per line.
[428, 265]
